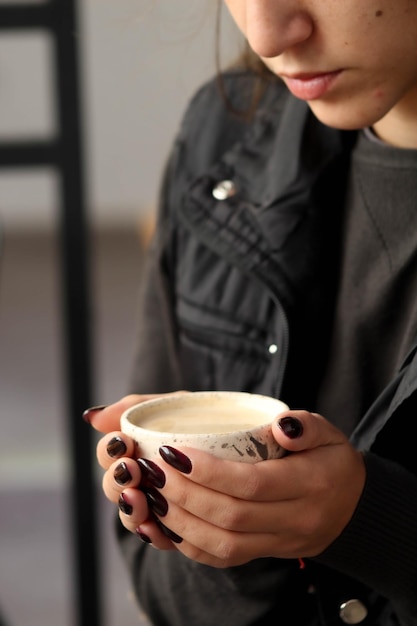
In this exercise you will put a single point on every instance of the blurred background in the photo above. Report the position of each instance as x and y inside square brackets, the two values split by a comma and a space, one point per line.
[140, 61]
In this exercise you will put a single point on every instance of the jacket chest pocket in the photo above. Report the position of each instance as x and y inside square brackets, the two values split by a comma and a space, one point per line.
[221, 351]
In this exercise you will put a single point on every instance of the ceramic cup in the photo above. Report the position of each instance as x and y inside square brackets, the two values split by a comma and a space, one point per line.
[230, 425]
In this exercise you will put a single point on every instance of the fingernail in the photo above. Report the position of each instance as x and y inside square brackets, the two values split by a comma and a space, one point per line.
[116, 447]
[142, 536]
[176, 459]
[151, 474]
[156, 502]
[124, 506]
[167, 532]
[89, 413]
[291, 427]
[122, 474]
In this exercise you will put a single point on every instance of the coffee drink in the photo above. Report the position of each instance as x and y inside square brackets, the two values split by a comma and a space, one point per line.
[219, 416]
[232, 425]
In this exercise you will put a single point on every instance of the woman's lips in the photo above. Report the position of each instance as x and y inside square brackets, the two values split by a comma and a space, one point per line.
[310, 86]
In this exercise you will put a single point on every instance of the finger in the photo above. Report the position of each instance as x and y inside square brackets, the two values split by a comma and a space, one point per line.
[133, 508]
[266, 481]
[211, 545]
[237, 549]
[302, 430]
[122, 474]
[136, 518]
[106, 419]
[230, 512]
[112, 446]
[152, 533]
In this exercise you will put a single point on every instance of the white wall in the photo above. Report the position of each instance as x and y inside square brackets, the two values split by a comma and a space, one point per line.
[142, 59]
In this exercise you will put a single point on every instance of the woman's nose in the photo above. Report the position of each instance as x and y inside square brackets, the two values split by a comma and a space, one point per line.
[273, 26]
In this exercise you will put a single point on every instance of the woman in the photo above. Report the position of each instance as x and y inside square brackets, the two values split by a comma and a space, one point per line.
[284, 263]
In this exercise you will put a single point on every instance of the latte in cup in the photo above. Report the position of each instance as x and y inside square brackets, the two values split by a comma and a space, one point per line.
[230, 425]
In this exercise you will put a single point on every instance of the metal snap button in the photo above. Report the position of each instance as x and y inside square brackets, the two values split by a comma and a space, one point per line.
[353, 612]
[224, 189]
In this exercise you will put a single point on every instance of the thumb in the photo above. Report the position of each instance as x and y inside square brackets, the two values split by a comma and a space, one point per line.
[302, 430]
[106, 419]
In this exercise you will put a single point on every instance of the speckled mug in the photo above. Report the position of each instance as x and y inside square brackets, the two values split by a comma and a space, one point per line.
[228, 424]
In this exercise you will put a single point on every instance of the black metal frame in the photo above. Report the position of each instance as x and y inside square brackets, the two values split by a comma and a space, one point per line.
[64, 153]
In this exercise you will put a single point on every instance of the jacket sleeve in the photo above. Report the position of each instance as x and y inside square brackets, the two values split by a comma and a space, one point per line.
[155, 368]
[379, 546]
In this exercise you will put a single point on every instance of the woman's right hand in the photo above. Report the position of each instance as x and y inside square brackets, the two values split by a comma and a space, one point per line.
[116, 455]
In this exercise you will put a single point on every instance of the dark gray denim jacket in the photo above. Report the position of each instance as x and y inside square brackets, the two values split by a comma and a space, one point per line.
[234, 289]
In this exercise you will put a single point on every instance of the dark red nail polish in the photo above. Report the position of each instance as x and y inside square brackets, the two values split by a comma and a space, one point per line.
[167, 532]
[116, 447]
[124, 506]
[156, 502]
[152, 475]
[142, 536]
[176, 459]
[88, 413]
[291, 427]
[122, 474]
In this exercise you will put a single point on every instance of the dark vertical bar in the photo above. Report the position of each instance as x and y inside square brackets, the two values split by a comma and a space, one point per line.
[76, 298]
[65, 153]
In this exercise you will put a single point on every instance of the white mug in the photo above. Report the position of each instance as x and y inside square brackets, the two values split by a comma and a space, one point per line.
[228, 424]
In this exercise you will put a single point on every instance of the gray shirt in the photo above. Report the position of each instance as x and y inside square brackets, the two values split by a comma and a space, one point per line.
[376, 310]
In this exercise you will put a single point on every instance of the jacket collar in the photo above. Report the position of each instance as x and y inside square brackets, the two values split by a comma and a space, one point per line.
[275, 171]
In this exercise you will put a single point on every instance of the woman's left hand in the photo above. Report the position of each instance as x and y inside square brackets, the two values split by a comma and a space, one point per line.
[223, 513]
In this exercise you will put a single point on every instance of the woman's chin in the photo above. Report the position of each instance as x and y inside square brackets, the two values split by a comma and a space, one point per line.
[344, 116]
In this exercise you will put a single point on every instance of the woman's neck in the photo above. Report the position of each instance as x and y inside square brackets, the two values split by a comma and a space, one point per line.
[399, 126]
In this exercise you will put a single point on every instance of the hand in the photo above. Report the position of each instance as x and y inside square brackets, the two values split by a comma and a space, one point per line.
[117, 454]
[228, 513]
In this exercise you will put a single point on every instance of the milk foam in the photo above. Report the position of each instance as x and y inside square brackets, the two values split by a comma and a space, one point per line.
[220, 417]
